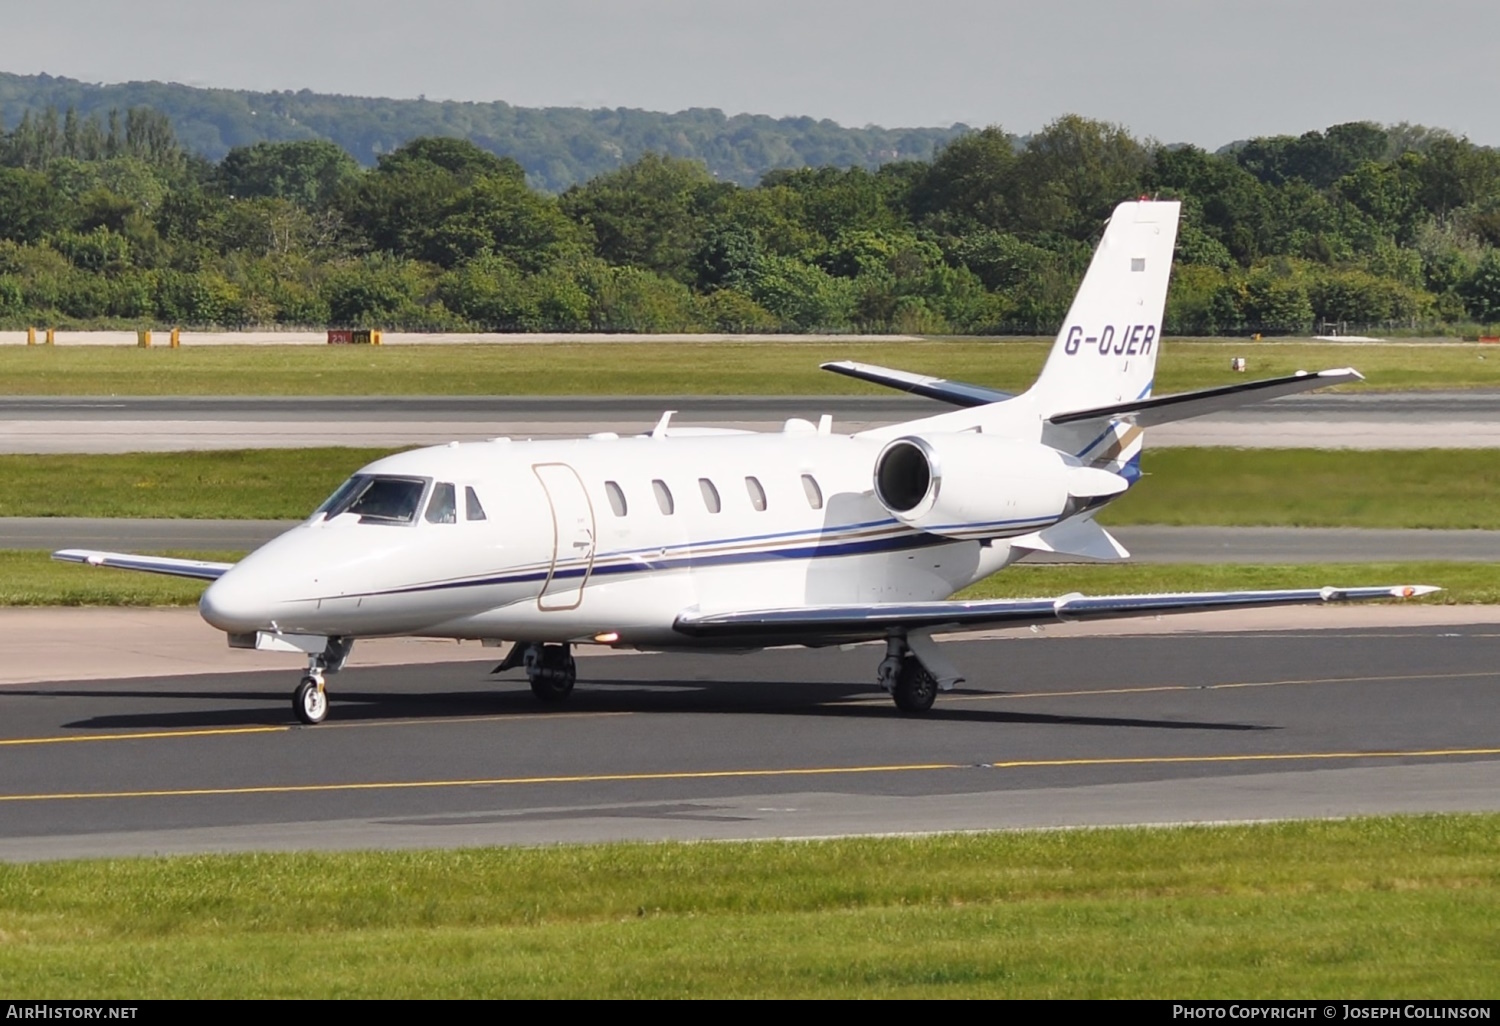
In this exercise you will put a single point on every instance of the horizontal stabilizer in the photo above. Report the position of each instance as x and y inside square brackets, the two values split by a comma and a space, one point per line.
[1168, 408]
[955, 393]
[828, 625]
[1074, 538]
[196, 568]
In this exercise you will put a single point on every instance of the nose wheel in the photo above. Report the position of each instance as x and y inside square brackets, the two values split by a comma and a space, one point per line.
[310, 700]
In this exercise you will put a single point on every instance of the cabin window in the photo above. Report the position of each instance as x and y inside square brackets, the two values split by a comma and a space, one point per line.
[378, 499]
[472, 509]
[710, 495]
[663, 497]
[757, 493]
[814, 493]
[616, 498]
[442, 508]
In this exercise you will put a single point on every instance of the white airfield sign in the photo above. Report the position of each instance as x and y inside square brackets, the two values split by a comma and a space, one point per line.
[710, 538]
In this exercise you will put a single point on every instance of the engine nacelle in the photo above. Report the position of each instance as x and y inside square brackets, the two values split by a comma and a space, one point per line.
[975, 486]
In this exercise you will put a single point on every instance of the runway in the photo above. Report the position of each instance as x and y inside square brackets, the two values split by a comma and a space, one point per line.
[170, 424]
[1055, 730]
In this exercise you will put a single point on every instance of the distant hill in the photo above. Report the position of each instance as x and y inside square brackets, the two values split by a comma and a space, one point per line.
[558, 146]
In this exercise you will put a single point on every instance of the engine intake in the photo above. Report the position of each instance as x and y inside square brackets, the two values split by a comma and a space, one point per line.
[976, 486]
[905, 475]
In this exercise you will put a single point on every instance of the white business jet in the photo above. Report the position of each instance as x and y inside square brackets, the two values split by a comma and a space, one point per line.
[702, 538]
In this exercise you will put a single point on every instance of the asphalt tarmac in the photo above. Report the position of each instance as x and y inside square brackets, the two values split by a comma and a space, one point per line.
[1053, 731]
[42, 424]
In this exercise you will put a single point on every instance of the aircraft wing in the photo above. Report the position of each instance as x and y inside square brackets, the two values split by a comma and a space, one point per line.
[955, 393]
[814, 625]
[196, 568]
[1168, 408]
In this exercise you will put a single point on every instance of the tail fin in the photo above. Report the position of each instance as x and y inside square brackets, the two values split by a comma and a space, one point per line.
[1104, 355]
[1106, 350]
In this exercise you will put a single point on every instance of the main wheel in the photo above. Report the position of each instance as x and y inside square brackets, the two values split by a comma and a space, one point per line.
[915, 689]
[310, 702]
[554, 679]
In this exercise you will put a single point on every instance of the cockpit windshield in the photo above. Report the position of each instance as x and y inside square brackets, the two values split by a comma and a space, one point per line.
[376, 499]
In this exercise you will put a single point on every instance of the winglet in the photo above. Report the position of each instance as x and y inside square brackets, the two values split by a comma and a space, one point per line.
[660, 431]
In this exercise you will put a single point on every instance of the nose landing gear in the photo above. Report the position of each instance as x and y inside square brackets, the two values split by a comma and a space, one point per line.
[310, 699]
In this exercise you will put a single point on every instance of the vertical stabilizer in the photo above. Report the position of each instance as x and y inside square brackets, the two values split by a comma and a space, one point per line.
[1104, 354]
[1106, 350]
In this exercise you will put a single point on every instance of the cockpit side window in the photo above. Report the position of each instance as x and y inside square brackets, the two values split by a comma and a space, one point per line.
[472, 509]
[442, 508]
[379, 500]
[341, 499]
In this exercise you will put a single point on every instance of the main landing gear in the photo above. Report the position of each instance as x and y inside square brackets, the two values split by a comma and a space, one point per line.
[913, 681]
[908, 682]
[551, 669]
[310, 699]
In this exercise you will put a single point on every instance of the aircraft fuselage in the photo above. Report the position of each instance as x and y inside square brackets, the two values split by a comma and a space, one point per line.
[603, 536]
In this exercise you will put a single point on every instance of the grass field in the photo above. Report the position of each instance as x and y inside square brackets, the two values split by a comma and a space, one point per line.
[248, 484]
[1394, 907]
[676, 368]
[33, 579]
[1431, 488]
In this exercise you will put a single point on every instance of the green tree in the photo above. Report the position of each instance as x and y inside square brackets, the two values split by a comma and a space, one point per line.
[500, 216]
[969, 182]
[1071, 175]
[651, 214]
[310, 173]
[1481, 290]
[29, 206]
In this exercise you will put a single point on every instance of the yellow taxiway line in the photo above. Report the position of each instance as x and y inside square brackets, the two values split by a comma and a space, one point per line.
[157, 734]
[606, 778]
[282, 729]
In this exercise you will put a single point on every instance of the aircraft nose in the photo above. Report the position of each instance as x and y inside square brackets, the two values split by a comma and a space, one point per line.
[234, 605]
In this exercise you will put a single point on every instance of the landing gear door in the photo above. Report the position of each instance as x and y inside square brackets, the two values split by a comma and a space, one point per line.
[572, 536]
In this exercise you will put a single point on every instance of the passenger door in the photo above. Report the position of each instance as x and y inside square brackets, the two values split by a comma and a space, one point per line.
[572, 536]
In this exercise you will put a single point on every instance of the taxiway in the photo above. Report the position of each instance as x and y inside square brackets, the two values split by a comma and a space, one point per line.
[1056, 729]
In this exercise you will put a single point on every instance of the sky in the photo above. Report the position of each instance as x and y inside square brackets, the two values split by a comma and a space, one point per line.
[1198, 71]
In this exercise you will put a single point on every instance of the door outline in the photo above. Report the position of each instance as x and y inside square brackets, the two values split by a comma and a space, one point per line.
[573, 529]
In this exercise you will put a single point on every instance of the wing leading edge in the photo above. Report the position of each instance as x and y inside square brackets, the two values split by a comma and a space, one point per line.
[826, 625]
[195, 568]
